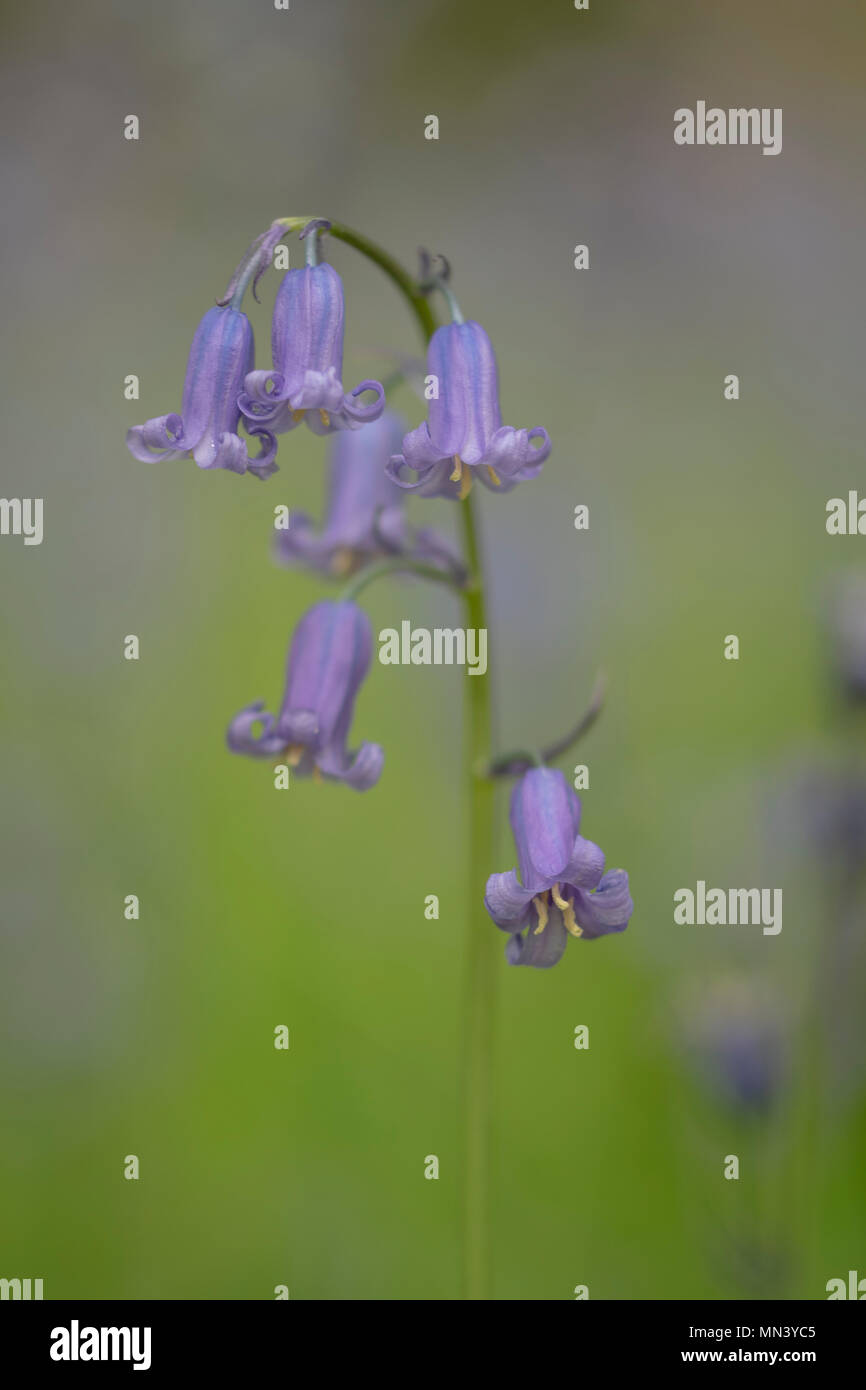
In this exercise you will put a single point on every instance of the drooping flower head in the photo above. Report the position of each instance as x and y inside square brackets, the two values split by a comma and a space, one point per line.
[562, 888]
[307, 342]
[366, 513]
[328, 660]
[220, 358]
[464, 437]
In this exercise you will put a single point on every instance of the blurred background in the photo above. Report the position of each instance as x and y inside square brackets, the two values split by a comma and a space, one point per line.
[306, 908]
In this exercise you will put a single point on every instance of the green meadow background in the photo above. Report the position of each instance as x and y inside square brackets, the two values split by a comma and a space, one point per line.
[306, 907]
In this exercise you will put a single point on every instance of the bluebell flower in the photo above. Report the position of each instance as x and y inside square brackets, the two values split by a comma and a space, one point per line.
[464, 437]
[562, 889]
[366, 514]
[307, 343]
[329, 657]
[220, 359]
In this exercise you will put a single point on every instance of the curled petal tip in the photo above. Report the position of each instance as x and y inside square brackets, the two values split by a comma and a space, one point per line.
[366, 768]
[357, 410]
[240, 738]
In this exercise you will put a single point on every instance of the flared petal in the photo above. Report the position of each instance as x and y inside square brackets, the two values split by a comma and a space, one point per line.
[364, 412]
[516, 455]
[160, 438]
[360, 770]
[263, 392]
[316, 390]
[264, 462]
[508, 902]
[434, 480]
[542, 949]
[228, 451]
[586, 865]
[240, 737]
[606, 910]
[419, 452]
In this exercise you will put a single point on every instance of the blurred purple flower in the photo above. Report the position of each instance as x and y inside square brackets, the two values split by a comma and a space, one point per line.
[366, 515]
[328, 660]
[747, 1066]
[220, 358]
[819, 813]
[464, 436]
[307, 343]
[737, 1037]
[562, 889]
[847, 622]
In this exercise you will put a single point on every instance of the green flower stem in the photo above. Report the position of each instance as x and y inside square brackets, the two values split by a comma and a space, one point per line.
[509, 764]
[399, 564]
[482, 951]
[514, 764]
[482, 959]
[395, 272]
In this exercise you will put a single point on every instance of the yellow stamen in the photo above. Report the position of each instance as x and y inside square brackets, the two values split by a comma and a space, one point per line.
[566, 907]
[463, 476]
[298, 415]
[568, 919]
[294, 753]
[539, 902]
[494, 476]
[560, 901]
[343, 561]
[323, 416]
